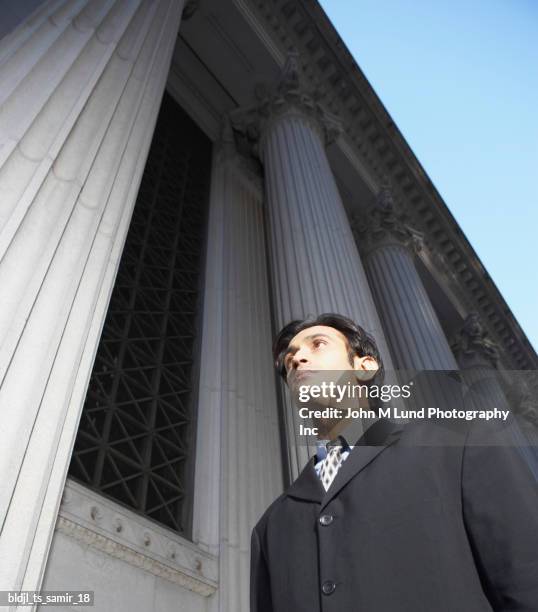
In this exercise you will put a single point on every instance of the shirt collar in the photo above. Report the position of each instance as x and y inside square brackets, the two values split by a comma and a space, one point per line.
[322, 447]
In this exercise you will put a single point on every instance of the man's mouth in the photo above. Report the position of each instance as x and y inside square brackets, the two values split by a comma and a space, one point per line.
[301, 375]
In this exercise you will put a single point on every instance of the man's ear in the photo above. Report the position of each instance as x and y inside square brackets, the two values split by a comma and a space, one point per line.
[367, 366]
[365, 363]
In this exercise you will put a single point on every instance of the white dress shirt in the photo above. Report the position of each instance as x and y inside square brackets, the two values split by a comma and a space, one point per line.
[321, 453]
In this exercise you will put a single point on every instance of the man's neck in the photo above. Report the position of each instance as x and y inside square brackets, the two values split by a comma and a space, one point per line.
[351, 429]
[335, 431]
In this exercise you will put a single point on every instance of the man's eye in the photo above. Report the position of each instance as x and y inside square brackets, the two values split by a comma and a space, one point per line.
[318, 342]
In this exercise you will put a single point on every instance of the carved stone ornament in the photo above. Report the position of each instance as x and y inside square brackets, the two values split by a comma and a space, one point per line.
[226, 148]
[103, 526]
[472, 347]
[289, 97]
[524, 394]
[248, 169]
[384, 225]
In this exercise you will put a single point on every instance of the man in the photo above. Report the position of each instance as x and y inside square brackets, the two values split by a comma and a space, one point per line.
[405, 519]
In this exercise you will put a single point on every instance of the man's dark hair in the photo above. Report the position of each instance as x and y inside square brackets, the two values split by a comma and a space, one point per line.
[359, 342]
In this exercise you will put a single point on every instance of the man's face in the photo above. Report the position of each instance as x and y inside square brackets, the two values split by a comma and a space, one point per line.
[318, 355]
[317, 349]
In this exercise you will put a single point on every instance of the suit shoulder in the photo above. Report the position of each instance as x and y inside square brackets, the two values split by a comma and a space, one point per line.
[435, 432]
[265, 517]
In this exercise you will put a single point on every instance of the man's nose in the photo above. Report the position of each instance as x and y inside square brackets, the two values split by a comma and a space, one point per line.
[300, 357]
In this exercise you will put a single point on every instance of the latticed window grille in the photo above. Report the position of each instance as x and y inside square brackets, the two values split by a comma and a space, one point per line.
[136, 436]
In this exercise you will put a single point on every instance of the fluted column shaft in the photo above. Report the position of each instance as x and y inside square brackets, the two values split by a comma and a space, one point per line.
[478, 358]
[414, 333]
[84, 80]
[238, 470]
[487, 393]
[315, 264]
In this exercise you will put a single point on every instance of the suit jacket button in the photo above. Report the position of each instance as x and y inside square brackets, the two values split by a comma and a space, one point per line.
[328, 587]
[326, 519]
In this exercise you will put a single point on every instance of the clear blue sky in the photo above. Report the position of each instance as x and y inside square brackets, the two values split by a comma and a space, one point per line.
[460, 80]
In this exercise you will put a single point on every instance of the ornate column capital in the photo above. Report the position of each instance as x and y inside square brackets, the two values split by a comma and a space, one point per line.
[226, 143]
[472, 347]
[384, 225]
[289, 97]
[226, 153]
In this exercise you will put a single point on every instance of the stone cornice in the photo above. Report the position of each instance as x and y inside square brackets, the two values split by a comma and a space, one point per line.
[344, 90]
[96, 521]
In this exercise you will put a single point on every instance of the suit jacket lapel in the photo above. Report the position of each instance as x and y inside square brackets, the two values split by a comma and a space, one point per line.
[308, 485]
[377, 438]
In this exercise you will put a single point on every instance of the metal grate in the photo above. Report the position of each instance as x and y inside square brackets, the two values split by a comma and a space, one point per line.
[136, 432]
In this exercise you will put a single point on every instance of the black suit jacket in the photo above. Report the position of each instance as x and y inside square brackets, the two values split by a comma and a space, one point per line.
[421, 518]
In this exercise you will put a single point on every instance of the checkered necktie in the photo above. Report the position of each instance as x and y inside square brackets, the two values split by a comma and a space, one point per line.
[332, 462]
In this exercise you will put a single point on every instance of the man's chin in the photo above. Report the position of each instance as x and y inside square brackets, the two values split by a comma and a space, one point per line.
[310, 403]
[320, 378]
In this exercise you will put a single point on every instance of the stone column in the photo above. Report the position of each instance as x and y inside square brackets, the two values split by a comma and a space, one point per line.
[478, 357]
[82, 82]
[414, 333]
[524, 388]
[315, 265]
[238, 470]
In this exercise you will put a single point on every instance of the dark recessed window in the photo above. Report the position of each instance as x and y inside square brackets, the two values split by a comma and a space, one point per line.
[135, 441]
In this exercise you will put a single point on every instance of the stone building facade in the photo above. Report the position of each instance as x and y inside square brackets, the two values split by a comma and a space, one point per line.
[178, 180]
